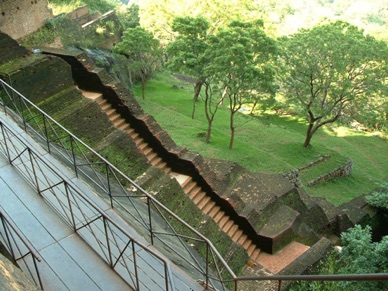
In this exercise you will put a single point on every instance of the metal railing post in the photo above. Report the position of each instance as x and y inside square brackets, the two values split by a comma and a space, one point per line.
[135, 266]
[70, 206]
[73, 155]
[108, 243]
[150, 220]
[207, 264]
[37, 273]
[5, 143]
[34, 172]
[108, 181]
[46, 133]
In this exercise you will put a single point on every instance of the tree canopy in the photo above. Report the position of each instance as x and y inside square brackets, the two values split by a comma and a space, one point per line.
[142, 51]
[328, 70]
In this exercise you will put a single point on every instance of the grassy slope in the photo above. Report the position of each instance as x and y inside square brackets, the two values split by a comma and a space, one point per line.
[270, 143]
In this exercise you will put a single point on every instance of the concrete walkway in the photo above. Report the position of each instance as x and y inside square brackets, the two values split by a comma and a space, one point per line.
[68, 261]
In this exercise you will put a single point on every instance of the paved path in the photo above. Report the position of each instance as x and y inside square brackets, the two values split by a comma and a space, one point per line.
[68, 262]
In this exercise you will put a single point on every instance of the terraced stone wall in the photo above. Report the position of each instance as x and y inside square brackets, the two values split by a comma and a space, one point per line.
[39, 77]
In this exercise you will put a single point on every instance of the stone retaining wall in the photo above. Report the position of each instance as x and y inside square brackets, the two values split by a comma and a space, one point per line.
[343, 171]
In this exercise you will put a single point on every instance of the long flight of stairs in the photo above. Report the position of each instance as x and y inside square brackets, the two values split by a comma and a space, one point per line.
[189, 186]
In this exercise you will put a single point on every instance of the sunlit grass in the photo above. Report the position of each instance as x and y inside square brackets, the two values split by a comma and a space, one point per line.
[270, 143]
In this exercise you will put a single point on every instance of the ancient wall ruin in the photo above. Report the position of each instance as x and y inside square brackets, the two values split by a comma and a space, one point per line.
[21, 17]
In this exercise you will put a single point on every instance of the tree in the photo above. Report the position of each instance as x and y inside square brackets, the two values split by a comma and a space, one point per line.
[186, 54]
[330, 68]
[212, 102]
[158, 16]
[379, 198]
[129, 16]
[359, 255]
[142, 51]
[241, 57]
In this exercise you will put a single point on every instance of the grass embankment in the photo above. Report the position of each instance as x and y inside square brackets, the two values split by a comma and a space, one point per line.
[270, 142]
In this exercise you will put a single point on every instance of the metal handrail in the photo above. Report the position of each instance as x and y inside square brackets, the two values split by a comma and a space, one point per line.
[235, 280]
[37, 162]
[111, 167]
[7, 224]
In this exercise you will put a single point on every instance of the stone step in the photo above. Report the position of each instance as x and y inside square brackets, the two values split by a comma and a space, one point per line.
[194, 192]
[223, 221]
[189, 186]
[103, 102]
[114, 117]
[220, 214]
[134, 135]
[214, 211]
[124, 127]
[204, 201]
[130, 130]
[232, 230]
[251, 249]
[110, 111]
[255, 254]
[186, 181]
[242, 239]
[151, 156]
[246, 244]
[143, 146]
[147, 150]
[208, 207]
[119, 122]
[156, 161]
[197, 198]
[227, 225]
[237, 235]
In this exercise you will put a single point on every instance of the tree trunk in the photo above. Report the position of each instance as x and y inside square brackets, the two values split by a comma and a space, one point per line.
[254, 106]
[231, 143]
[309, 135]
[209, 131]
[197, 91]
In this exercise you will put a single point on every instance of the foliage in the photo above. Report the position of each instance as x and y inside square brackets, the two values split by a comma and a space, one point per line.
[241, 56]
[269, 142]
[359, 255]
[61, 6]
[330, 69]
[129, 16]
[187, 54]
[379, 198]
[142, 51]
[158, 16]
[281, 17]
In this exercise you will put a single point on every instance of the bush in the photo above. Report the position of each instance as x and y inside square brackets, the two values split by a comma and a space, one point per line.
[379, 198]
[359, 255]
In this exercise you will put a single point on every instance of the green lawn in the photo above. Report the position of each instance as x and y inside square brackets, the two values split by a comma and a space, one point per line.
[270, 143]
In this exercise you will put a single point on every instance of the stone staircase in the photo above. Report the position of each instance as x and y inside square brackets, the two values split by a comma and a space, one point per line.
[189, 186]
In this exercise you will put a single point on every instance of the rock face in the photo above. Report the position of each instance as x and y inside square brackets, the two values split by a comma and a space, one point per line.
[19, 18]
[12, 278]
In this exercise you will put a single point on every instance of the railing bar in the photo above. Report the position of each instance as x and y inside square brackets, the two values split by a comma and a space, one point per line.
[180, 235]
[52, 186]
[333, 277]
[19, 234]
[88, 223]
[135, 185]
